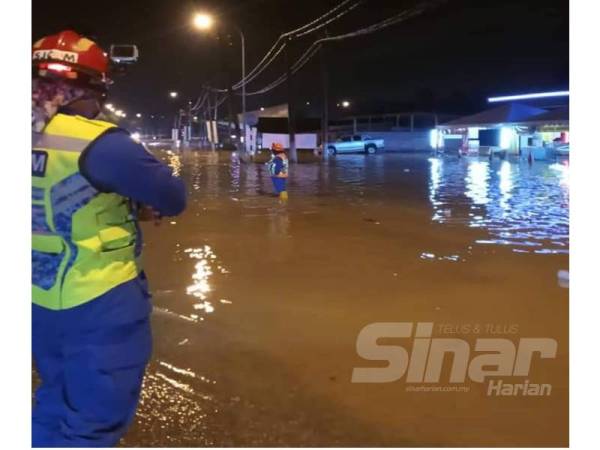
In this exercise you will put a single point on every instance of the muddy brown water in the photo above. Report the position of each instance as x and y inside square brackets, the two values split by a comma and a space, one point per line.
[258, 303]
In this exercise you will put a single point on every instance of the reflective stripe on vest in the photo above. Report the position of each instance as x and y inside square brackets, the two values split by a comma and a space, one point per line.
[284, 171]
[83, 240]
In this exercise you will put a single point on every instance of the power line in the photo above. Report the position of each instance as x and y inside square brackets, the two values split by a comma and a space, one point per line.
[201, 100]
[281, 41]
[324, 24]
[315, 46]
[317, 20]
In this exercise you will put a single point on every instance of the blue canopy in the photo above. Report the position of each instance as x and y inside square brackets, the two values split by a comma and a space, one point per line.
[510, 113]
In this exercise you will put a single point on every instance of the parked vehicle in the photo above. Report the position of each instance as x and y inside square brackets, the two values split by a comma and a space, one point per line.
[355, 144]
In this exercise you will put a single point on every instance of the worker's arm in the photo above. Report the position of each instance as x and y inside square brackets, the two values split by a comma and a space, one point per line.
[116, 163]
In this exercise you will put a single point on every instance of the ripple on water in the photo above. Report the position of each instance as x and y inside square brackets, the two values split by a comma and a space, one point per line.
[521, 206]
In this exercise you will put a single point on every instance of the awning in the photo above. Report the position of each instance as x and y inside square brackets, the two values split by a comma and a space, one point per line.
[558, 116]
[510, 113]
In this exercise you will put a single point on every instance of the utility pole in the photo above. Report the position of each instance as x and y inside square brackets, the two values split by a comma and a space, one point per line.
[224, 69]
[209, 123]
[325, 106]
[188, 137]
[216, 118]
[243, 124]
[233, 122]
[293, 156]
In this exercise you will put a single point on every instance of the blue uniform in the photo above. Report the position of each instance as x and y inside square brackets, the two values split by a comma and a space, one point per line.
[91, 358]
[278, 166]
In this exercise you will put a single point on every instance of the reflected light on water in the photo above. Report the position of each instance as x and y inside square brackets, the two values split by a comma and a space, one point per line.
[505, 184]
[432, 256]
[435, 177]
[562, 169]
[206, 306]
[523, 207]
[176, 384]
[477, 182]
[435, 180]
[174, 162]
[203, 270]
[200, 286]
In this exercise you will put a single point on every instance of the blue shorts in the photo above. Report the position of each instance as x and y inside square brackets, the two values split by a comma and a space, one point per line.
[279, 184]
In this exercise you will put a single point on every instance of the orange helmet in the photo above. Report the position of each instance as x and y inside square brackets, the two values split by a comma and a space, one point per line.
[277, 147]
[71, 56]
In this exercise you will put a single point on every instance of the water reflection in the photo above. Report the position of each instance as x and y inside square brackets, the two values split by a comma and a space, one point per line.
[505, 184]
[434, 257]
[203, 271]
[477, 182]
[521, 206]
[562, 169]
[174, 161]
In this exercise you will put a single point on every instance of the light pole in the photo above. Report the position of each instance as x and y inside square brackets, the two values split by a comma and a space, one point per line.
[204, 22]
[176, 119]
[243, 39]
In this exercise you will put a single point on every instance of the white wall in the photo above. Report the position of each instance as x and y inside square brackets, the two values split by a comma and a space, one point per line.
[303, 140]
[402, 140]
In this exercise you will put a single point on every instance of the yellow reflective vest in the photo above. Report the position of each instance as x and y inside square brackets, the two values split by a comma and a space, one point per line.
[83, 240]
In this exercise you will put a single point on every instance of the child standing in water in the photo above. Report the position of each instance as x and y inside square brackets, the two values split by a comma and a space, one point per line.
[278, 168]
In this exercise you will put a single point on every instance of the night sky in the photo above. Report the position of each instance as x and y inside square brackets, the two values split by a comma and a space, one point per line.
[448, 60]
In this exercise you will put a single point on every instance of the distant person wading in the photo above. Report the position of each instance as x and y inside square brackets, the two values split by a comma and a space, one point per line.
[278, 169]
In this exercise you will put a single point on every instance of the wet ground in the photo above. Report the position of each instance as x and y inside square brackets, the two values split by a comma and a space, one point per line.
[258, 304]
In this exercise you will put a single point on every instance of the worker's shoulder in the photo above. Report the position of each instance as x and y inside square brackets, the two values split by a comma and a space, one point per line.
[82, 121]
[116, 139]
[79, 127]
[110, 151]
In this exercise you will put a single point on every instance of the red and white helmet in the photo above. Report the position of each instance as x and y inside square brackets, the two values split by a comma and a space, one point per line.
[73, 57]
[277, 147]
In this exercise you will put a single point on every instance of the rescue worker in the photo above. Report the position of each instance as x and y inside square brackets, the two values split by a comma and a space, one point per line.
[278, 169]
[91, 305]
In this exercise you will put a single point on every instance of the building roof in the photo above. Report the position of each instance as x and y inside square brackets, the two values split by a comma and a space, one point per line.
[252, 117]
[555, 116]
[503, 114]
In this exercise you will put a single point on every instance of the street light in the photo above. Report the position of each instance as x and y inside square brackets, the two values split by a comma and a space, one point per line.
[204, 22]
[345, 104]
[173, 94]
[138, 115]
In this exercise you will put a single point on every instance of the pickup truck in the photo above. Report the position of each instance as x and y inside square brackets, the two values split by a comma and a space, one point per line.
[354, 144]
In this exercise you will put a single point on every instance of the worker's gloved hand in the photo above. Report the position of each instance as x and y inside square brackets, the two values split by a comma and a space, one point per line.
[147, 214]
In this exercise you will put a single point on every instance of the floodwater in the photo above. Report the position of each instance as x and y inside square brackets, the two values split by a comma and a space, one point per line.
[258, 303]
